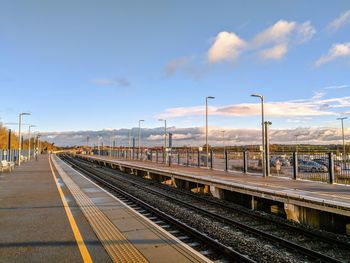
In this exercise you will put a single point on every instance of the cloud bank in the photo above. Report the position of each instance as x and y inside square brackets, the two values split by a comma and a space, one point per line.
[315, 106]
[195, 136]
[272, 43]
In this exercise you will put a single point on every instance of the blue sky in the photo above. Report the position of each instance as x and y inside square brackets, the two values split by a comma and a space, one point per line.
[89, 65]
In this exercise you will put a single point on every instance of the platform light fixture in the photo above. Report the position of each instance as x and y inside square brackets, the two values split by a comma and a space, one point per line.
[139, 140]
[19, 135]
[206, 127]
[29, 138]
[342, 131]
[257, 95]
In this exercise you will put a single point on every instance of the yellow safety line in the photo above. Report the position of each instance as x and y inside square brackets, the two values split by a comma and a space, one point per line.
[119, 248]
[79, 239]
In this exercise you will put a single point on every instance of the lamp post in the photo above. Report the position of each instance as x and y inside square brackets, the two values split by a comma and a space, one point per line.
[296, 142]
[257, 95]
[223, 140]
[267, 147]
[165, 134]
[37, 145]
[19, 135]
[129, 144]
[139, 140]
[342, 131]
[29, 139]
[98, 145]
[206, 127]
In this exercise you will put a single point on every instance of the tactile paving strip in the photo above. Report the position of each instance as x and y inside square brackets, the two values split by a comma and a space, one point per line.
[117, 246]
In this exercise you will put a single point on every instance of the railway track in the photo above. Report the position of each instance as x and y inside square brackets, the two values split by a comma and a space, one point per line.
[206, 245]
[217, 211]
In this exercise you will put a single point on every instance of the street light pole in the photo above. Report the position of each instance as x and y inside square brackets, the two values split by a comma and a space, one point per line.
[139, 140]
[206, 128]
[342, 129]
[223, 140]
[267, 147]
[165, 134]
[19, 135]
[262, 131]
[129, 144]
[98, 145]
[29, 139]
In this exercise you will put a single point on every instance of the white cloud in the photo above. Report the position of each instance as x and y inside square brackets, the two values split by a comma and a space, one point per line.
[315, 106]
[336, 51]
[176, 64]
[226, 47]
[271, 44]
[339, 21]
[276, 40]
[305, 32]
[336, 87]
[275, 53]
[277, 33]
[282, 35]
[184, 64]
[120, 82]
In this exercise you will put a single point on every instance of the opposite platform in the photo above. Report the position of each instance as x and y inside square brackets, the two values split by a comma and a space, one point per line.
[333, 198]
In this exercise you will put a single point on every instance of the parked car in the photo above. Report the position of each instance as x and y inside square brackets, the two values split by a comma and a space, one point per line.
[311, 166]
[283, 161]
[337, 167]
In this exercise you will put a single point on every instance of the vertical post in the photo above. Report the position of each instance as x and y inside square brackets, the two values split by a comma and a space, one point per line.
[199, 159]
[29, 140]
[151, 156]
[19, 138]
[267, 149]
[263, 137]
[206, 130]
[211, 159]
[188, 157]
[226, 160]
[9, 146]
[295, 165]
[139, 140]
[165, 134]
[156, 156]
[170, 147]
[245, 162]
[133, 148]
[331, 168]
[129, 144]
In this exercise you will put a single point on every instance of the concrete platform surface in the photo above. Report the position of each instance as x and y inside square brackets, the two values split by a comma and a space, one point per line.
[51, 213]
[34, 226]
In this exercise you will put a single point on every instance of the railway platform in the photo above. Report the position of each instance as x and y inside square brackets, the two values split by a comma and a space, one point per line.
[325, 206]
[52, 213]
